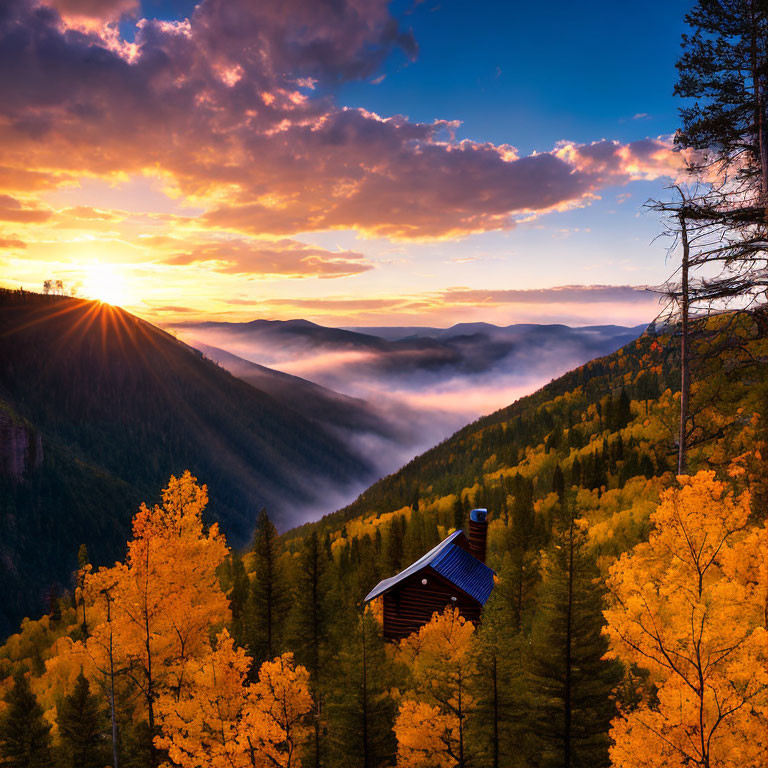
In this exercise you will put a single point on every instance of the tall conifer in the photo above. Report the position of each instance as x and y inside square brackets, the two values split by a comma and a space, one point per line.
[25, 738]
[310, 632]
[569, 682]
[269, 601]
[496, 724]
[82, 728]
[360, 711]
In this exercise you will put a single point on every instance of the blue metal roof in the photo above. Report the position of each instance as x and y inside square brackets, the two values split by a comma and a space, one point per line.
[454, 563]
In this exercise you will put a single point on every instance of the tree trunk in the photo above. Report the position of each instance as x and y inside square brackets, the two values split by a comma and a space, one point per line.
[567, 758]
[495, 713]
[684, 352]
[112, 716]
[366, 756]
[461, 728]
[759, 96]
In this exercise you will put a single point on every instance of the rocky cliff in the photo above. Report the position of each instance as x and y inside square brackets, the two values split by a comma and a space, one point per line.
[21, 448]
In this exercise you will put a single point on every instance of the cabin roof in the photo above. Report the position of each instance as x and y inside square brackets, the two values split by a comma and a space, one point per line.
[454, 563]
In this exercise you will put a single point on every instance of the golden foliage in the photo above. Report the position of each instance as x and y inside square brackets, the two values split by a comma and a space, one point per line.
[425, 736]
[690, 605]
[166, 596]
[220, 722]
[430, 725]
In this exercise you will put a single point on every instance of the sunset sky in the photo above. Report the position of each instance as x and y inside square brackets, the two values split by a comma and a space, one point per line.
[352, 162]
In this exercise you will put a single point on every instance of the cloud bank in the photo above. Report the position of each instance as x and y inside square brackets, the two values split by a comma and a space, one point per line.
[231, 107]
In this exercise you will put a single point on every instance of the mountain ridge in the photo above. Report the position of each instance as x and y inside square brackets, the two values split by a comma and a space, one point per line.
[120, 406]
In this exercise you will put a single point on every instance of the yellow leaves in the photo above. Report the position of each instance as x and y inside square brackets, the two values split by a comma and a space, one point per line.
[165, 598]
[376, 609]
[690, 606]
[547, 504]
[439, 655]
[423, 735]
[698, 519]
[442, 647]
[281, 700]
[220, 722]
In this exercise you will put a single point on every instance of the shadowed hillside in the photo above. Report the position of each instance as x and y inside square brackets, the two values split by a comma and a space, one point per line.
[99, 408]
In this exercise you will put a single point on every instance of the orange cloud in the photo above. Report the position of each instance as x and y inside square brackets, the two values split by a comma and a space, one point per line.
[11, 242]
[282, 258]
[186, 101]
[12, 209]
[95, 12]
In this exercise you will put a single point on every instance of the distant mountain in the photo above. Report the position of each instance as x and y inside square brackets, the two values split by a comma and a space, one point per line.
[291, 332]
[333, 411]
[98, 408]
[517, 330]
[420, 363]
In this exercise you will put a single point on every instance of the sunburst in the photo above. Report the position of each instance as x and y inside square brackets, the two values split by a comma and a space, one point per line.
[105, 283]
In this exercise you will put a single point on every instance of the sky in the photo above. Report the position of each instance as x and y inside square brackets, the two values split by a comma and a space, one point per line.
[352, 162]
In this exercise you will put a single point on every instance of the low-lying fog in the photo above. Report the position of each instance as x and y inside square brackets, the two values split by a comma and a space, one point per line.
[419, 384]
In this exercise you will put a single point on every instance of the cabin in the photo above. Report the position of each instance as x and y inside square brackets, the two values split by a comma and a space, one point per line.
[453, 573]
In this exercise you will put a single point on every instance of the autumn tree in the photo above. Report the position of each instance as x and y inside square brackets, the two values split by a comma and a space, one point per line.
[690, 606]
[221, 721]
[431, 724]
[569, 681]
[283, 701]
[81, 723]
[164, 599]
[25, 739]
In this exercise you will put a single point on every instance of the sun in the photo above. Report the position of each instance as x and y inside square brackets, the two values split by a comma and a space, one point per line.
[104, 283]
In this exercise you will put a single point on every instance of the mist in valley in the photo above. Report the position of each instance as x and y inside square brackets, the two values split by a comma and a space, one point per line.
[394, 393]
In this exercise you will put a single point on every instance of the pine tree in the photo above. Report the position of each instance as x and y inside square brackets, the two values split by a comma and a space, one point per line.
[394, 549]
[569, 681]
[25, 738]
[621, 412]
[238, 600]
[521, 536]
[360, 711]
[558, 481]
[269, 602]
[310, 631]
[458, 512]
[54, 604]
[81, 724]
[495, 728]
[576, 473]
[723, 70]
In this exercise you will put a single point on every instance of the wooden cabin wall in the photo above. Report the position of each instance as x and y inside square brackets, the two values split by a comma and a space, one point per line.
[410, 605]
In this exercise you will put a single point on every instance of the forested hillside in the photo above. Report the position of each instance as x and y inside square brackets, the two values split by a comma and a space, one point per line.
[585, 513]
[606, 423]
[99, 408]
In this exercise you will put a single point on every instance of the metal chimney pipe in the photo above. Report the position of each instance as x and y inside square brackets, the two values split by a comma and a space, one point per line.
[478, 533]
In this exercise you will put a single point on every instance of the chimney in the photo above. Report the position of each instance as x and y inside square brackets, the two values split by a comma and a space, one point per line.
[478, 533]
